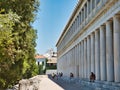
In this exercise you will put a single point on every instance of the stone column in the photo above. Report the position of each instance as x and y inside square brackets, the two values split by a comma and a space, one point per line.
[95, 3]
[102, 53]
[91, 6]
[74, 61]
[85, 58]
[109, 51]
[71, 58]
[80, 67]
[62, 64]
[87, 8]
[92, 53]
[75, 24]
[79, 18]
[79, 60]
[116, 24]
[84, 15]
[78, 54]
[82, 58]
[97, 55]
[68, 62]
[67, 58]
[88, 57]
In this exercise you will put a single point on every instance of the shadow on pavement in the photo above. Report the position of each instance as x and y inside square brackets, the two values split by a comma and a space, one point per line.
[64, 84]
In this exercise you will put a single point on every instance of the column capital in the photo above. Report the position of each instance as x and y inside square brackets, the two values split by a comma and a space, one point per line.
[109, 21]
[97, 30]
[92, 33]
[88, 37]
[102, 25]
[85, 38]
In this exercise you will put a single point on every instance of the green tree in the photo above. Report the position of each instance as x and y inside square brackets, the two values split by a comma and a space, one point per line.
[17, 40]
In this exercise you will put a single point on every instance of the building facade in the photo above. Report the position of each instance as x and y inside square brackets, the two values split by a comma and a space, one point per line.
[51, 58]
[90, 41]
[41, 60]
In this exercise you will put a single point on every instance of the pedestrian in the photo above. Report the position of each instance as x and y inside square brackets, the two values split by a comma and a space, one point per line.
[71, 75]
[92, 77]
[57, 76]
[61, 74]
[53, 75]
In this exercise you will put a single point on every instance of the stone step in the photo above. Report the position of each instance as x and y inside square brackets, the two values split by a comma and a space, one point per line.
[102, 85]
[97, 85]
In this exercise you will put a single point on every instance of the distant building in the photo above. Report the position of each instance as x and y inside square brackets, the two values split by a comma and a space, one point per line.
[41, 60]
[51, 57]
[52, 61]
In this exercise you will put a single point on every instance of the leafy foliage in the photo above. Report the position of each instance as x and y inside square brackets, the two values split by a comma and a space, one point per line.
[17, 40]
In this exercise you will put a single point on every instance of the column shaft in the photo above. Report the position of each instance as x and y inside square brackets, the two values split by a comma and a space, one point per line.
[102, 53]
[116, 23]
[82, 58]
[92, 53]
[77, 65]
[97, 55]
[87, 8]
[85, 58]
[79, 60]
[88, 56]
[74, 60]
[109, 51]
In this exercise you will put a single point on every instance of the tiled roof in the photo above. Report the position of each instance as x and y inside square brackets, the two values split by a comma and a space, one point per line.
[39, 56]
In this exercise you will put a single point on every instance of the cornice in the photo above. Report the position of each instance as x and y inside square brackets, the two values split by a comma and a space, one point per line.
[70, 20]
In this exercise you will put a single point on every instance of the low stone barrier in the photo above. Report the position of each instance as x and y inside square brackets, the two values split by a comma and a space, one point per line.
[30, 84]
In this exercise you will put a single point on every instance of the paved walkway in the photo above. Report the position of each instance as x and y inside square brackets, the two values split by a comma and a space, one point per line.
[66, 85]
[44, 82]
[48, 84]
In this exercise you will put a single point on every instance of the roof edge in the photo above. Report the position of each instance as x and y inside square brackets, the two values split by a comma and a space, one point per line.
[69, 21]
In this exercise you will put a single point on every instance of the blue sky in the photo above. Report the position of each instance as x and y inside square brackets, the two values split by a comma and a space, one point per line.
[51, 19]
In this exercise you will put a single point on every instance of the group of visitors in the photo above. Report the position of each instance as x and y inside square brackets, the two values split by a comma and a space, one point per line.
[92, 76]
[57, 75]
